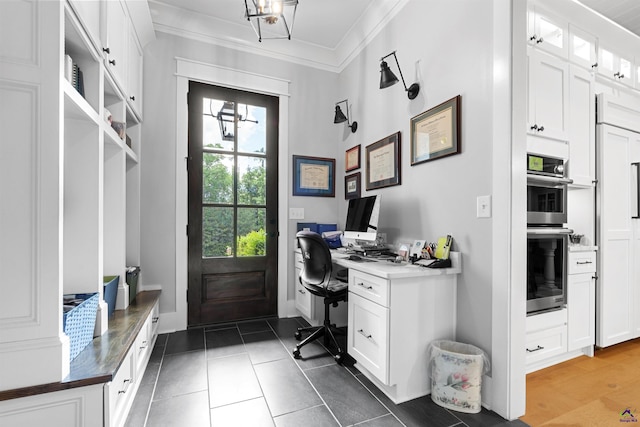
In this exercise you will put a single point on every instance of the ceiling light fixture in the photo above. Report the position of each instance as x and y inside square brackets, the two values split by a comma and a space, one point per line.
[341, 118]
[279, 15]
[387, 78]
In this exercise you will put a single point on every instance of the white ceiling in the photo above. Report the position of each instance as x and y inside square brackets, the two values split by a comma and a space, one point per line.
[326, 33]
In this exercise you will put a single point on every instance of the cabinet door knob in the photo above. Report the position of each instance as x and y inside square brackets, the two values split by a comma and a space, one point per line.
[541, 129]
[132, 97]
[112, 61]
[106, 49]
[540, 40]
[533, 38]
[594, 65]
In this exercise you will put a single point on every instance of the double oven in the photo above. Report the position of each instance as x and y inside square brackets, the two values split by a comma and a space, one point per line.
[547, 235]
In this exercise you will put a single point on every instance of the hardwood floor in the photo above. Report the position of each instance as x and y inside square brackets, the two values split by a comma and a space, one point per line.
[587, 391]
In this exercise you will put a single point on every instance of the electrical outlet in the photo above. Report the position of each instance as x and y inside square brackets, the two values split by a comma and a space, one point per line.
[483, 207]
[296, 213]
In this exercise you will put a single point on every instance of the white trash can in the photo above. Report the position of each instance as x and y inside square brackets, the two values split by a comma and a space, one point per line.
[456, 371]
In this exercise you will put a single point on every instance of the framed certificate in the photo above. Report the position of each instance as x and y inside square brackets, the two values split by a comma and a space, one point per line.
[314, 176]
[352, 186]
[383, 162]
[352, 159]
[436, 132]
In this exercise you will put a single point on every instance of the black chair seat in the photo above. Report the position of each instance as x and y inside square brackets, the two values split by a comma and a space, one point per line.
[316, 278]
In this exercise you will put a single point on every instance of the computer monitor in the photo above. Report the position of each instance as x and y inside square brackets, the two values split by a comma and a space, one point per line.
[362, 218]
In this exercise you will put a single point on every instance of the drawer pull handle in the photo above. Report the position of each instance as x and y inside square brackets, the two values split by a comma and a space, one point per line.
[536, 349]
[364, 334]
[584, 262]
[124, 383]
[366, 287]
[155, 320]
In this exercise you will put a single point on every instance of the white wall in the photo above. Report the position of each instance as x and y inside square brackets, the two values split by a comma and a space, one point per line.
[447, 48]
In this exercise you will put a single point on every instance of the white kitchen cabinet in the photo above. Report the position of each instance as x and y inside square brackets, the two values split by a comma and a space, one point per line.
[582, 114]
[615, 66]
[546, 338]
[134, 73]
[114, 39]
[618, 149]
[618, 311]
[547, 31]
[392, 320]
[303, 296]
[90, 14]
[583, 48]
[548, 96]
[581, 300]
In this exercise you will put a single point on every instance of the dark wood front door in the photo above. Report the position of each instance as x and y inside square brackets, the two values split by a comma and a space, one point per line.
[233, 172]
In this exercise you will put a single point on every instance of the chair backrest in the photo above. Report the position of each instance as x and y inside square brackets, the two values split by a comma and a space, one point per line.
[316, 258]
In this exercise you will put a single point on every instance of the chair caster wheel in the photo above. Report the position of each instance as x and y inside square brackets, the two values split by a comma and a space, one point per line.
[339, 358]
[296, 353]
[298, 335]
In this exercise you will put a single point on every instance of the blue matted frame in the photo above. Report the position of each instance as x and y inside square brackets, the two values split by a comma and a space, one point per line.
[314, 176]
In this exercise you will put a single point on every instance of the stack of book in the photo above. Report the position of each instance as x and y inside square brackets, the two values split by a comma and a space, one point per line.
[73, 74]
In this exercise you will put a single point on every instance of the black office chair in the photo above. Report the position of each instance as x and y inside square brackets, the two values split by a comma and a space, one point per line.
[316, 278]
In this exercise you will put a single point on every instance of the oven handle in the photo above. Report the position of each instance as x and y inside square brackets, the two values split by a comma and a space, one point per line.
[636, 194]
[547, 230]
[548, 179]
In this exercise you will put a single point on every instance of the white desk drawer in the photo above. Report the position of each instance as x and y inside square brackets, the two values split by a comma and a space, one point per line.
[368, 336]
[546, 343]
[373, 288]
[582, 262]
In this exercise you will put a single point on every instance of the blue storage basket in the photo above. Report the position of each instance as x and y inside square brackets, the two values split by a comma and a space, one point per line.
[111, 292]
[80, 320]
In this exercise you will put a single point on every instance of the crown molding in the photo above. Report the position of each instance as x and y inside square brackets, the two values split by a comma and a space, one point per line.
[171, 20]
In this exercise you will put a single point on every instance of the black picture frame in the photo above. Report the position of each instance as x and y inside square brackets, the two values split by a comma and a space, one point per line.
[436, 132]
[352, 186]
[314, 176]
[383, 165]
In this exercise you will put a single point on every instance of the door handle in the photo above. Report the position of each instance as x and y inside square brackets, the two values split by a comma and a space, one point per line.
[636, 166]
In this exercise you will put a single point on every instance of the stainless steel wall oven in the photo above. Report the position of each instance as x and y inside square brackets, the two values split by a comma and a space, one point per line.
[546, 268]
[546, 191]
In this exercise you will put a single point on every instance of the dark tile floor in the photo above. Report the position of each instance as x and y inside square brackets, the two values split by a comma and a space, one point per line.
[243, 374]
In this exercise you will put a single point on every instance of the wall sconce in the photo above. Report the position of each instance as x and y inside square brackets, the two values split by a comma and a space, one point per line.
[341, 118]
[387, 78]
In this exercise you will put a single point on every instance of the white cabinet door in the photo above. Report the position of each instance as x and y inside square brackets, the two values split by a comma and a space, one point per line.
[89, 13]
[617, 195]
[548, 93]
[582, 113]
[547, 31]
[615, 66]
[114, 39]
[581, 310]
[368, 336]
[583, 48]
[134, 73]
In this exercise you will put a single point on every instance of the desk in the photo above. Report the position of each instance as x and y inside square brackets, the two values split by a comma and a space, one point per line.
[394, 312]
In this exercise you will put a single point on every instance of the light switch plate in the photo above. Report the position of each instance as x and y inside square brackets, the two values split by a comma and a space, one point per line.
[483, 207]
[296, 213]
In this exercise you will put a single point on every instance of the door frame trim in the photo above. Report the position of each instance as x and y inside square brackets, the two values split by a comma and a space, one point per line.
[186, 70]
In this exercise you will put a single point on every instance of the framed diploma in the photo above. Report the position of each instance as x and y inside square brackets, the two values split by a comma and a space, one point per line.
[314, 176]
[352, 159]
[383, 162]
[436, 132]
[352, 186]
